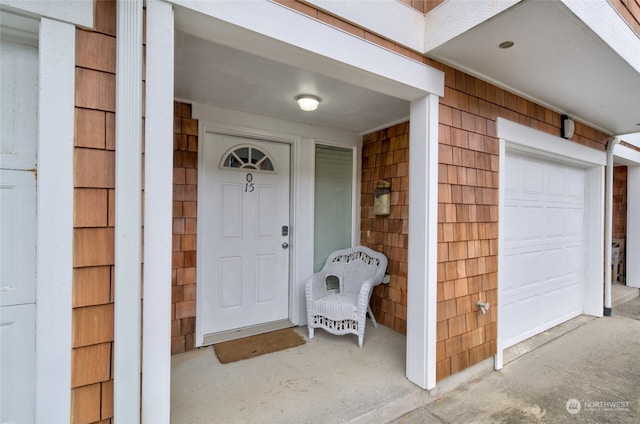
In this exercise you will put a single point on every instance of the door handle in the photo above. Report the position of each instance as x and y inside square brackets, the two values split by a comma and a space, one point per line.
[285, 245]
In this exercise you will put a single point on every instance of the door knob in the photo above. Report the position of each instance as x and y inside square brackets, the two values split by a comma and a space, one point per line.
[285, 245]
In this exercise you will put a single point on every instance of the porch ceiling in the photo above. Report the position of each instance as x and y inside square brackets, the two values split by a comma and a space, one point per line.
[215, 74]
[556, 60]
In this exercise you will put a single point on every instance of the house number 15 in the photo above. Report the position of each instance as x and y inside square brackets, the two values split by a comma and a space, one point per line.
[249, 186]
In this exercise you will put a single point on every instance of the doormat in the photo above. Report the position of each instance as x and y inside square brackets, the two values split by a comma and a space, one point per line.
[250, 347]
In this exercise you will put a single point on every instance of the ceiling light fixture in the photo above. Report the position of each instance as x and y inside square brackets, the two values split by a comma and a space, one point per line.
[506, 44]
[308, 102]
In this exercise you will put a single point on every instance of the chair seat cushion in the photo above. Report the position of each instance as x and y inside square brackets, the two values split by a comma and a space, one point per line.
[337, 306]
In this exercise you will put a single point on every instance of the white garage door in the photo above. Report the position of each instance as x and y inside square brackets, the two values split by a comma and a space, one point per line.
[543, 252]
[18, 142]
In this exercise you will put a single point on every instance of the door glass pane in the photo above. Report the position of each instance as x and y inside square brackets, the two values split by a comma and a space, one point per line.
[333, 202]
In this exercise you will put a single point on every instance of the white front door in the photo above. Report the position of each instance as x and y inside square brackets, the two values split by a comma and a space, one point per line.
[243, 254]
[544, 246]
[18, 142]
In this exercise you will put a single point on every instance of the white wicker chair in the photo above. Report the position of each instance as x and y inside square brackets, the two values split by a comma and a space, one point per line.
[344, 311]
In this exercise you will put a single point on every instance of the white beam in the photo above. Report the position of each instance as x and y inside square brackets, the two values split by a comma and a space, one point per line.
[390, 19]
[270, 30]
[602, 18]
[78, 12]
[454, 17]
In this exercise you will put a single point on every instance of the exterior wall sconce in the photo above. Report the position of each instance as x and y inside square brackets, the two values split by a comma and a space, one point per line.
[484, 307]
[382, 198]
[567, 126]
[308, 102]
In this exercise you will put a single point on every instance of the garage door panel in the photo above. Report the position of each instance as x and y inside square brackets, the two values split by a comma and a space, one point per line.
[555, 223]
[511, 218]
[575, 222]
[533, 185]
[19, 105]
[521, 270]
[17, 356]
[511, 275]
[561, 304]
[543, 247]
[528, 311]
[576, 185]
[17, 237]
[555, 182]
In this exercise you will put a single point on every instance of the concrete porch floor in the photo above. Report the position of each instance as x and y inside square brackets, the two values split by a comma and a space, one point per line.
[328, 379]
[621, 293]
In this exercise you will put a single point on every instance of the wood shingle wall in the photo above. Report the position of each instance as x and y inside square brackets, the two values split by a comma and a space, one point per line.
[385, 156]
[185, 196]
[93, 241]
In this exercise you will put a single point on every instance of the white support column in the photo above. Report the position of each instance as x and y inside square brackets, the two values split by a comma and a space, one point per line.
[633, 226]
[423, 219]
[128, 211]
[158, 195]
[56, 114]
[631, 158]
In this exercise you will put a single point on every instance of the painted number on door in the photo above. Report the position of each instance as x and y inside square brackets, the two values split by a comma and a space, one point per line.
[249, 186]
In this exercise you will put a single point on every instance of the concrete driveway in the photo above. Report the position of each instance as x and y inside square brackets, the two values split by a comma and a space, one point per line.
[589, 375]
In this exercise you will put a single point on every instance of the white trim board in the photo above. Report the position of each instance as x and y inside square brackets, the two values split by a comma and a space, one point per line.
[517, 137]
[393, 20]
[56, 118]
[158, 199]
[625, 155]
[529, 140]
[78, 12]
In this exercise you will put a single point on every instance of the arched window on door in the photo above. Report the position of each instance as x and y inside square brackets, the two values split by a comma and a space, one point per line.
[247, 156]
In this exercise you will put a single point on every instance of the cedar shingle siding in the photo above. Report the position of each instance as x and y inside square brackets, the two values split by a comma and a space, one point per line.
[185, 196]
[93, 239]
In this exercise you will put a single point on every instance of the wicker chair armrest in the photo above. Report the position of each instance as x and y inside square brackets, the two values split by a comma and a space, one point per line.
[365, 294]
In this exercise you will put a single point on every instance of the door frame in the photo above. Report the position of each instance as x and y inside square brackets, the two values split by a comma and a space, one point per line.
[520, 138]
[210, 338]
[260, 135]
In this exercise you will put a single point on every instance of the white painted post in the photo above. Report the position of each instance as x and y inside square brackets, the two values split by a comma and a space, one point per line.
[158, 195]
[56, 114]
[422, 263]
[633, 227]
[128, 211]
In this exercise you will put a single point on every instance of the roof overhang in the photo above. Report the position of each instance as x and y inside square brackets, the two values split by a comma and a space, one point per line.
[575, 57]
